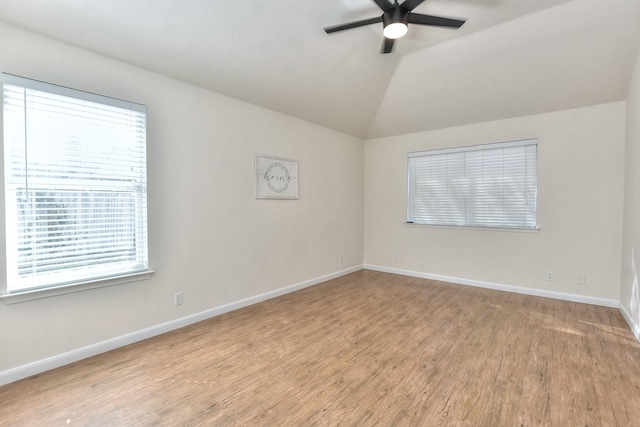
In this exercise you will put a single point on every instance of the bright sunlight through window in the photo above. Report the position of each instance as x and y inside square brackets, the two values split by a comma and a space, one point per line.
[75, 185]
[491, 185]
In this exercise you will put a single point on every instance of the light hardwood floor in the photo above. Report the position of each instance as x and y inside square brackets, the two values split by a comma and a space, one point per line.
[366, 349]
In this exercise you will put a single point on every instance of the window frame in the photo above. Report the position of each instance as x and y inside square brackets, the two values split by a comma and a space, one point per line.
[116, 276]
[465, 223]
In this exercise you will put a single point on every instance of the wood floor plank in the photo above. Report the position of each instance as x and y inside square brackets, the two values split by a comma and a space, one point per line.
[365, 349]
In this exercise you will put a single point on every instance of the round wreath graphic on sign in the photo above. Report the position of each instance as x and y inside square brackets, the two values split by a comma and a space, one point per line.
[277, 177]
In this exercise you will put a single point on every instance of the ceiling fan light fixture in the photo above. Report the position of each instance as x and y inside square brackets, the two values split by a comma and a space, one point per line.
[395, 23]
[395, 30]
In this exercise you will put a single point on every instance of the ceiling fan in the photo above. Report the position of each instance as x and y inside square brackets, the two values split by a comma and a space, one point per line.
[395, 19]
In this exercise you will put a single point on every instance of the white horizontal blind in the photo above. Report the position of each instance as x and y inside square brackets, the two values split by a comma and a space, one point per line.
[492, 185]
[75, 185]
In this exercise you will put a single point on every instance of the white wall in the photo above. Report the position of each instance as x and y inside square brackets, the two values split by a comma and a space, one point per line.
[209, 237]
[629, 291]
[580, 199]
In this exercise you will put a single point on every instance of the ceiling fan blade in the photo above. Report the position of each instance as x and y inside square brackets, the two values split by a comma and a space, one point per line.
[436, 21]
[355, 24]
[411, 4]
[384, 4]
[387, 45]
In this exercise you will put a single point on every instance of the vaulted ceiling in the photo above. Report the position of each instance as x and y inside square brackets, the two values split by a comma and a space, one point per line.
[511, 58]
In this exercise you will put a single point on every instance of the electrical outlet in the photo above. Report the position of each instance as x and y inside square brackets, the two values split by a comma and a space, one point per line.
[395, 258]
[550, 276]
[177, 298]
[581, 279]
[340, 260]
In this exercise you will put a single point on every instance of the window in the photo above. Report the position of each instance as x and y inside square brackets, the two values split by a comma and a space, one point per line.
[75, 186]
[492, 185]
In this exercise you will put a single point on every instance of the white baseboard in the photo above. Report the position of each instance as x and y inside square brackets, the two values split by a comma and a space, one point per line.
[499, 287]
[634, 327]
[57, 361]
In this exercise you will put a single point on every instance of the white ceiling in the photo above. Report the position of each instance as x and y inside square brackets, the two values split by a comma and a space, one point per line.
[511, 58]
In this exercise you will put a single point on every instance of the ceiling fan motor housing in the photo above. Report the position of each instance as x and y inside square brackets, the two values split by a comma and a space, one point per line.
[397, 15]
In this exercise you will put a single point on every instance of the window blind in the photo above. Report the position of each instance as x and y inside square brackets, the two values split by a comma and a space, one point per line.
[491, 185]
[75, 185]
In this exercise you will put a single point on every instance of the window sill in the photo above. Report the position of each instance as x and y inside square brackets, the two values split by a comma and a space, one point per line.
[476, 228]
[34, 294]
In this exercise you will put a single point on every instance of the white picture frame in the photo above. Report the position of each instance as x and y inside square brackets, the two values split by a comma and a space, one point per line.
[276, 177]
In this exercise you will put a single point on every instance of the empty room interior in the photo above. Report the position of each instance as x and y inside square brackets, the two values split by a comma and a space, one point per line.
[313, 229]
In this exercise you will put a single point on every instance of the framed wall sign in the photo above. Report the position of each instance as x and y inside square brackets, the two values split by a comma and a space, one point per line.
[276, 178]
